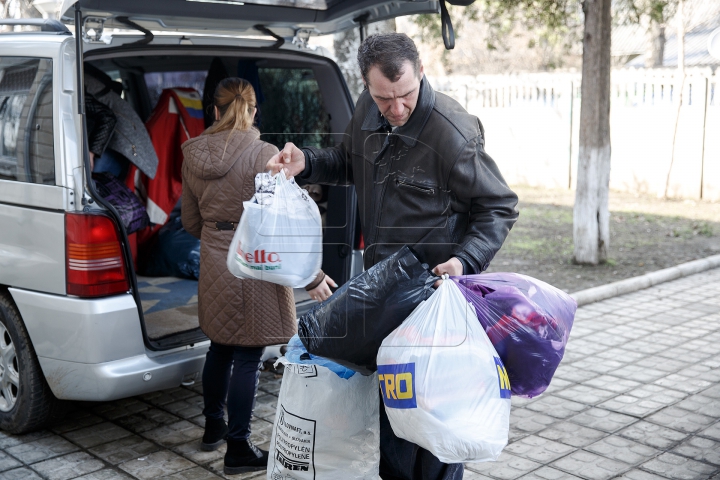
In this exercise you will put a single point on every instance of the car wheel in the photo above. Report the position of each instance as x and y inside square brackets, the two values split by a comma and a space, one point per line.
[26, 402]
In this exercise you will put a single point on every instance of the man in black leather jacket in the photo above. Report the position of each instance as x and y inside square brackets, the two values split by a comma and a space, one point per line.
[423, 179]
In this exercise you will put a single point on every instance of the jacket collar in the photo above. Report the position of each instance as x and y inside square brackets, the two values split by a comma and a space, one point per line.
[409, 132]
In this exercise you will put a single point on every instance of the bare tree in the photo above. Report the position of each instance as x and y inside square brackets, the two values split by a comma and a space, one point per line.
[591, 215]
[19, 9]
[346, 45]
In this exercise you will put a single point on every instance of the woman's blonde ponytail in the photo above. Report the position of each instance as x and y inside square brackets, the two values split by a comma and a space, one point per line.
[235, 101]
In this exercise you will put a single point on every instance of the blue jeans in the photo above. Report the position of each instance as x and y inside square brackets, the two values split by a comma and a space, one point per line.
[402, 460]
[231, 375]
[112, 162]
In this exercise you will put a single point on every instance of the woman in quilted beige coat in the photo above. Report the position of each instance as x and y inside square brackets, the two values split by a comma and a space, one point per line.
[240, 317]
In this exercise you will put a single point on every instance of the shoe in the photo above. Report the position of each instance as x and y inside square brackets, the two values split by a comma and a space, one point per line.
[242, 456]
[215, 432]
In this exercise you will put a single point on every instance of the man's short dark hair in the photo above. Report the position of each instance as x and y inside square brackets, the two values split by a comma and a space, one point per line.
[388, 52]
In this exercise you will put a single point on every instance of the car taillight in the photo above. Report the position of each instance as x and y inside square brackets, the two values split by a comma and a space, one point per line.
[95, 263]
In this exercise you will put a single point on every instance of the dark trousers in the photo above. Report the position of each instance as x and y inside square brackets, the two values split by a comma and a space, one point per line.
[402, 460]
[231, 375]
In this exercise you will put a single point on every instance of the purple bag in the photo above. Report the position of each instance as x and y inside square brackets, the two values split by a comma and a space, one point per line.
[528, 322]
[131, 210]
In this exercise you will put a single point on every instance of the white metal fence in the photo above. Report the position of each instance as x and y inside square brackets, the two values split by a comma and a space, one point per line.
[531, 124]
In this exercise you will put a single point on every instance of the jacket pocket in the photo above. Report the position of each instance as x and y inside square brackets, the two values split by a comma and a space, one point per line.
[416, 187]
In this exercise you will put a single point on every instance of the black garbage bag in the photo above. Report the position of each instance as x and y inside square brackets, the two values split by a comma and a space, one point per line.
[176, 253]
[349, 327]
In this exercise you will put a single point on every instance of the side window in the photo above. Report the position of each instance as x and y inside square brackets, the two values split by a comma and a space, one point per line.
[26, 120]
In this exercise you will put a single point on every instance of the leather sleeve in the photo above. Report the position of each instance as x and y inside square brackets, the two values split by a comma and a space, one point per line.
[493, 206]
[330, 166]
[190, 213]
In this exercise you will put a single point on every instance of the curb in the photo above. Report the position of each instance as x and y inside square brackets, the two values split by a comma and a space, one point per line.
[629, 285]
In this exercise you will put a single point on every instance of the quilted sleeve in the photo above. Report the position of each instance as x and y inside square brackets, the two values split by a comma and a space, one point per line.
[191, 217]
[266, 151]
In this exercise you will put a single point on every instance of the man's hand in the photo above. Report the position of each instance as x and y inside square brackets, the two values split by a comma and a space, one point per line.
[290, 158]
[452, 267]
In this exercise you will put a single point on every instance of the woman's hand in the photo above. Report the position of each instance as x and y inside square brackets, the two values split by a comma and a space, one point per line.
[322, 292]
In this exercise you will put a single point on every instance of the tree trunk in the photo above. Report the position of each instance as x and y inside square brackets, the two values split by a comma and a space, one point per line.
[655, 45]
[346, 45]
[591, 217]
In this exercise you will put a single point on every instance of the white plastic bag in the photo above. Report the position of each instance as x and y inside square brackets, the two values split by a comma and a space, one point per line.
[326, 427]
[279, 238]
[443, 383]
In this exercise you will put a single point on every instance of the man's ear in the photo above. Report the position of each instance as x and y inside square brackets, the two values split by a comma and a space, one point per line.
[422, 70]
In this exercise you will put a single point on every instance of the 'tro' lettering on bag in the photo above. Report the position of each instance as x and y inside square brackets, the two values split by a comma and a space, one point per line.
[502, 378]
[397, 384]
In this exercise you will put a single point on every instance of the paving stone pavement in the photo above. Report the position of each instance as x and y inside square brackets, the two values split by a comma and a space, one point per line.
[637, 397]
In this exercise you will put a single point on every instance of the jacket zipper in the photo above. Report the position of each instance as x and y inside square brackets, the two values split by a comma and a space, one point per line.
[418, 188]
[382, 193]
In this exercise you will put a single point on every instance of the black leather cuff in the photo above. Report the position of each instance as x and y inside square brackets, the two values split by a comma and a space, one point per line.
[308, 166]
[466, 269]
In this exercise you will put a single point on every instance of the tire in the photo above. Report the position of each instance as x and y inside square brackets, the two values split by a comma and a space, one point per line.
[26, 402]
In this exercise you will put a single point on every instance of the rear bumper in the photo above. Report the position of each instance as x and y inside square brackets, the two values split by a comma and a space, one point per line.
[81, 330]
[126, 377]
[93, 349]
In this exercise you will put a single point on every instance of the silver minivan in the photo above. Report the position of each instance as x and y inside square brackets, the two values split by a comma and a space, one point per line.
[76, 320]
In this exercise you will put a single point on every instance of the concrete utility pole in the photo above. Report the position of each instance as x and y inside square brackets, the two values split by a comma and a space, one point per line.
[591, 215]
[679, 85]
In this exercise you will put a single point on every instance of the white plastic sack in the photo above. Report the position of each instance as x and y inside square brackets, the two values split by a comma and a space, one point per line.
[279, 238]
[443, 383]
[326, 427]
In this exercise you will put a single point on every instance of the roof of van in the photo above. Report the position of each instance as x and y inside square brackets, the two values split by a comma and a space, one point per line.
[242, 16]
[12, 37]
